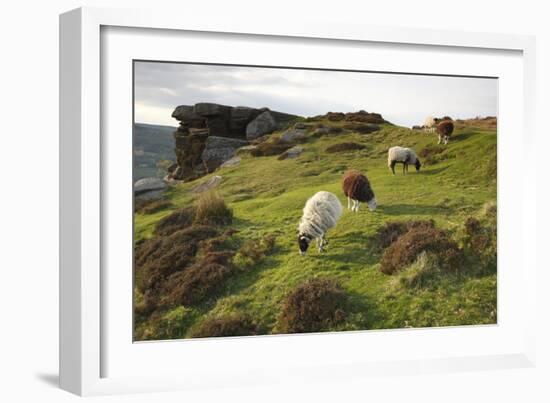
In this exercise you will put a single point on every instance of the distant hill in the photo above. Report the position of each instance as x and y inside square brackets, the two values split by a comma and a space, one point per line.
[152, 143]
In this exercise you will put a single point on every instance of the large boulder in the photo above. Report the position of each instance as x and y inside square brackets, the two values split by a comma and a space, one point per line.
[241, 116]
[149, 188]
[293, 136]
[263, 124]
[148, 184]
[218, 150]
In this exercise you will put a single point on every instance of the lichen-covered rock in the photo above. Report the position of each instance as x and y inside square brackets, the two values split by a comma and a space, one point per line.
[149, 188]
[208, 184]
[236, 160]
[246, 149]
[218, 150]
[241, 116]
[148, 184]
[294, 152]
[293, 136]
[263, 124]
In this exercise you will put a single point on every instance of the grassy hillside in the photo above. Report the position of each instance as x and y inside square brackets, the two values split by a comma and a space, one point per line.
[267, 196]
[152, 143]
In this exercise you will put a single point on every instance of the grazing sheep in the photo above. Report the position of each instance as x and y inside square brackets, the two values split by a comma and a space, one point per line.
[444, 131]
[403, 156]
[357, 189]
[429, 124]
[321, 213]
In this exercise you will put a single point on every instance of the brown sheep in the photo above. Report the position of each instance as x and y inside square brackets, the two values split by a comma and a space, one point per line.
[444, 131]
[357, 189]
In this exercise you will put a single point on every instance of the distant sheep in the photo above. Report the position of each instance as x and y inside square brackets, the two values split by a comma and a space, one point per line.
[429, 124]
[444, 131]
[403, 156]
[321, 212]
[357, 189]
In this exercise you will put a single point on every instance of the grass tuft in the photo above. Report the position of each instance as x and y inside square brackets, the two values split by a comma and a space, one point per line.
[211, 209]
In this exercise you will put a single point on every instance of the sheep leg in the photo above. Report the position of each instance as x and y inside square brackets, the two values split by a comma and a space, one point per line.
[404, 165]
[357, 205]
[392, 166]
[349, 203]
[439, 140]
[321, 243]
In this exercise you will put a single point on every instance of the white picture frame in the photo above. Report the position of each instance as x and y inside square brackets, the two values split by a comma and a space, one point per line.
[85, 344]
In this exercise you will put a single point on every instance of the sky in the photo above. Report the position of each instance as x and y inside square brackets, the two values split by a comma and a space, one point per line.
[404, 100]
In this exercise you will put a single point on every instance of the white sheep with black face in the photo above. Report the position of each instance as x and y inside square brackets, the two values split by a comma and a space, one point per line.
[402, 155]
[321, 212]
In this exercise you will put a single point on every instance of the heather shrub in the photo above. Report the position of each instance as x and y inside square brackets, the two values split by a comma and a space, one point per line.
[226, 326]
[175, 221]
[391, 230]
[480, 240]
[342, 147]
[274, 147]
[335, 130]
[151, 206]
[313, 306]
[160, 257]
[253, 251]
[404, 251]
[199, 281]
[335, 116]
[172, 324]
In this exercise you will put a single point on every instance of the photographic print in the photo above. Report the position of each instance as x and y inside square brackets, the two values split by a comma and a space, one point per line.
[272, 200]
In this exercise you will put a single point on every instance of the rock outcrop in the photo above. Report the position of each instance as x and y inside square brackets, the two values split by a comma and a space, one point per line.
[209, 135]
[360, 116]
[364, 117]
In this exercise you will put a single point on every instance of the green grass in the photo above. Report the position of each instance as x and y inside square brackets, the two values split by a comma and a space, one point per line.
[267, 196]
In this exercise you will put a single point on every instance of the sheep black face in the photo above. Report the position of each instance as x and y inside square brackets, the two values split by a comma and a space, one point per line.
[417, 165]
[303, 243]
[372, 204]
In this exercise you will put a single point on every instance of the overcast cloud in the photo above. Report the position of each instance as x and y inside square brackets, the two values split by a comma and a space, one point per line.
[402, 99]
